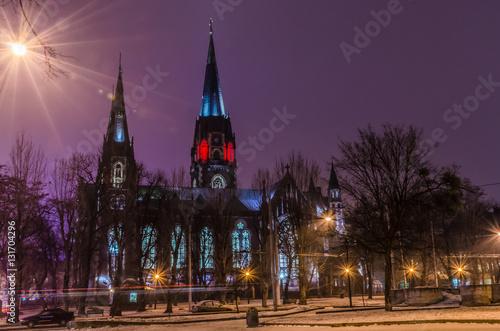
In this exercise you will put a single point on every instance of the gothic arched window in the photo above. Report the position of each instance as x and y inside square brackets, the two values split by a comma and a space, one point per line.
[230, 152]
[178, 247]
[207, 248]
[149, 238]
[241, 245]
[118, 175]
[117, 202]
[204, 150]
[115, 236]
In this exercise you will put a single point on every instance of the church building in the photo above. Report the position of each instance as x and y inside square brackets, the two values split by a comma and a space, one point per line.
[208, 233]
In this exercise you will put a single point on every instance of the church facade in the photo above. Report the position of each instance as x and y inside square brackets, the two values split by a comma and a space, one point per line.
[209, 233]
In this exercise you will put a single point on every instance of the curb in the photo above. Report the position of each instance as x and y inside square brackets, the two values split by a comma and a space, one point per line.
[102, 323]
[387, 323]
[347, 310]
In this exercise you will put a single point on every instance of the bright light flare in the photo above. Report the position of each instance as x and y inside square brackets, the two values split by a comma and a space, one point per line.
[249, 275]
[18, 49]
[328, 219]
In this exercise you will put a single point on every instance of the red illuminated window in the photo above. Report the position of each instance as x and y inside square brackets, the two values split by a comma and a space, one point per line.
[230, 152]
[204, 150]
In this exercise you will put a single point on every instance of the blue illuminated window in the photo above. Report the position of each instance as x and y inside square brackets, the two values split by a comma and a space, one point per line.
[207, 248]
[149, 238]
[241, 245]
[114, 250]
[119, 134]
[179, 247]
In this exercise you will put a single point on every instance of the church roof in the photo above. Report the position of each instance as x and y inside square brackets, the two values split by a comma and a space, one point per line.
[250, 199]
[212, 104]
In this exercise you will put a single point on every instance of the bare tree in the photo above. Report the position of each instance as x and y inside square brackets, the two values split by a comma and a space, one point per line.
[383, 173]
[64, 200]
[303, 169]
[26, 210]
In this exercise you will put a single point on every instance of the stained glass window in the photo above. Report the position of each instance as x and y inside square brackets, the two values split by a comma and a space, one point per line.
[207, 248]
[148, 247]
[179, 245]
[241, 245]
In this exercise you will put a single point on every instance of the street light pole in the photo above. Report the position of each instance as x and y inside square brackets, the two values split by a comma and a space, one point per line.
[272, 256]
[348, 274]
[190, 276]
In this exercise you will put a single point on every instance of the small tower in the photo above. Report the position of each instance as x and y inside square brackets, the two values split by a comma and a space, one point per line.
[117, 165]
[213, 162]
[335, 199]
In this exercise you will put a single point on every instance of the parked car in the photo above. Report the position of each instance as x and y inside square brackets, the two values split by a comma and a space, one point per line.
[48, 316]
[208, 306]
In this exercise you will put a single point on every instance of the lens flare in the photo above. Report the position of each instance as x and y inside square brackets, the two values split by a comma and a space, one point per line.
[18, 49]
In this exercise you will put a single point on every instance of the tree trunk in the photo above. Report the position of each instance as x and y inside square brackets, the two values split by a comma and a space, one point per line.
[265, 294]
[388, 279]
[369, 271]
[170, 300]
[302, 281]
[65, 287]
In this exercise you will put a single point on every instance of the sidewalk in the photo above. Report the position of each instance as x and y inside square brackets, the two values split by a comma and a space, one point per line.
[318, 312]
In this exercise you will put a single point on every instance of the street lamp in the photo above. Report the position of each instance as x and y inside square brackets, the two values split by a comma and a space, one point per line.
[18, 49]
[348, 273]
[157, 277]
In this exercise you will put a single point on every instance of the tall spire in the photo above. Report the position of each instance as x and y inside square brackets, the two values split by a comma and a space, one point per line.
[212, 103]
[117, 126]
[118, 99]
[333, 184]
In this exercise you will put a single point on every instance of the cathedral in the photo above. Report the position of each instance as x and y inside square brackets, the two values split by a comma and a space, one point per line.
[208, 233]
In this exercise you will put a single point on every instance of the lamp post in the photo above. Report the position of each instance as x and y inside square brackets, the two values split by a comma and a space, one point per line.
[273, 250]
[348, 273]
[190, 276]
[157, 277]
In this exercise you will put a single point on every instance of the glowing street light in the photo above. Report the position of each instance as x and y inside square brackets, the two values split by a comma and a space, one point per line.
[18, 49]
[328, 219]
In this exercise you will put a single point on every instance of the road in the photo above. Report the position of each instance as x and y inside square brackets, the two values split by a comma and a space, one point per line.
[241, 325]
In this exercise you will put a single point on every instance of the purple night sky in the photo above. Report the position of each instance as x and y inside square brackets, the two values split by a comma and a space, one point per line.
[271, 55]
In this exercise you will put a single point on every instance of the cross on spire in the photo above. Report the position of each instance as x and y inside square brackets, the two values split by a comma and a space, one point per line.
[120, 64]
[287, 168]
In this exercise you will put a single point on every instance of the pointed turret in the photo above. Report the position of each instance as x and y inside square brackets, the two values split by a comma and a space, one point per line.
[335, 200]
[212, 104]
[333, 184]
[117, 126]
[118, 161]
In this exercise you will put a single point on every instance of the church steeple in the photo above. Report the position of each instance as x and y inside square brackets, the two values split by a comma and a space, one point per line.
[333, 184]
[212, 103]
[335, 200]
[213, 161]
[118, 164]
[117, 126]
